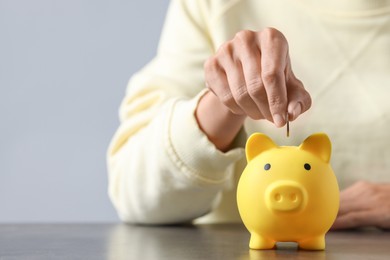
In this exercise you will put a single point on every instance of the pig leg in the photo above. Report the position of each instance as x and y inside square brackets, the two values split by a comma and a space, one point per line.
[260, 242]
[314, 243]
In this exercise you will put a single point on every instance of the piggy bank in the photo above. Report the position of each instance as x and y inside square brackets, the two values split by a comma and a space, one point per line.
[288, 193]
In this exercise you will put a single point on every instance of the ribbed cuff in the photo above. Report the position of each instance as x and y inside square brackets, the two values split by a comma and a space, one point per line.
[192, 152]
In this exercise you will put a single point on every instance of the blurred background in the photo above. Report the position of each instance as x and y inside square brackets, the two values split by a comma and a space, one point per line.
[64, 66]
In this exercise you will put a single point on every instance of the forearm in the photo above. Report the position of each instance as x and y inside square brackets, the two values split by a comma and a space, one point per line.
[166, 172]
[162, 167]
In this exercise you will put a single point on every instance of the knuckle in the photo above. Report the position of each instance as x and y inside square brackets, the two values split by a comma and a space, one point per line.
[301, 94]
[270, 76]
[211, 64]
[366, 186]
[305, 100]
[256, 116]
[363, 183]
[225, 49]
[241, 96]
[243, 99]
[244, 36]
[272, 33]
[227, 99]
[245, 43]
[276, 101]
[255, 86]
[207, 63]
[273, 37]
[298, 83]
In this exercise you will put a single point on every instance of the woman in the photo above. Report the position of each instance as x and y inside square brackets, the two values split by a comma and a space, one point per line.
[228, 68]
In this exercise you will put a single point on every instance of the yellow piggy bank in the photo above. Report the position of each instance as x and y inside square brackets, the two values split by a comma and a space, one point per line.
[288, 193]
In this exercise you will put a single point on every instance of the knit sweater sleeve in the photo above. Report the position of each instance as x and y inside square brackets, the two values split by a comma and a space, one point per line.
[162, 168]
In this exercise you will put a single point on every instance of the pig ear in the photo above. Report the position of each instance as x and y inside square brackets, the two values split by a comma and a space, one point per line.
[256, 144]
[319, 145]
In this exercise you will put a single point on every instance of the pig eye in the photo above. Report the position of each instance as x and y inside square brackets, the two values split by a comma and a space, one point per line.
[267, 166]
[307, 166]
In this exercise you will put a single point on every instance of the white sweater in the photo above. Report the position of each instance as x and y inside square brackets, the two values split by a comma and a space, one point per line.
[163, 169]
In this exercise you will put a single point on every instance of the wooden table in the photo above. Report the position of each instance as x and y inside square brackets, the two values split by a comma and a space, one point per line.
[119, 241]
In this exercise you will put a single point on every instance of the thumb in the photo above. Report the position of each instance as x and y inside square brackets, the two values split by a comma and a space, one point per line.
[299, 99]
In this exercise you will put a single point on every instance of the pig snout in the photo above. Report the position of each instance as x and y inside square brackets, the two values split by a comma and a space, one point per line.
[286, 196]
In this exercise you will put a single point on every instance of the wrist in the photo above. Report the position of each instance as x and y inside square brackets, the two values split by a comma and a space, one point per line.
[217, 122]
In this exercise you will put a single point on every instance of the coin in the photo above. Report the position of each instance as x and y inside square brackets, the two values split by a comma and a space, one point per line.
[287, 125]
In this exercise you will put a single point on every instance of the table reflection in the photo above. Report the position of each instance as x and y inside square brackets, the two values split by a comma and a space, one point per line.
[195, 242]
[119, 241]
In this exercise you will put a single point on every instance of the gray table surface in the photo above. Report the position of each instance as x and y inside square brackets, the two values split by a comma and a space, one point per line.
[120, 241]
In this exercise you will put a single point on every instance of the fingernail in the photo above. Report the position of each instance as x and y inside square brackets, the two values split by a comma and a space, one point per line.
[279, 120]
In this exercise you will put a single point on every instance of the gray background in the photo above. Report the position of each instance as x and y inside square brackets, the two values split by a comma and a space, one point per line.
[64, 66]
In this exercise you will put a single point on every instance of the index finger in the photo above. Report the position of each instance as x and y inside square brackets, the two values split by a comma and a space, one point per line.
[274, 53]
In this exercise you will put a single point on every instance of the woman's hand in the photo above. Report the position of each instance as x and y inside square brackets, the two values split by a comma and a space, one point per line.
[364, 204]
[251, 75]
